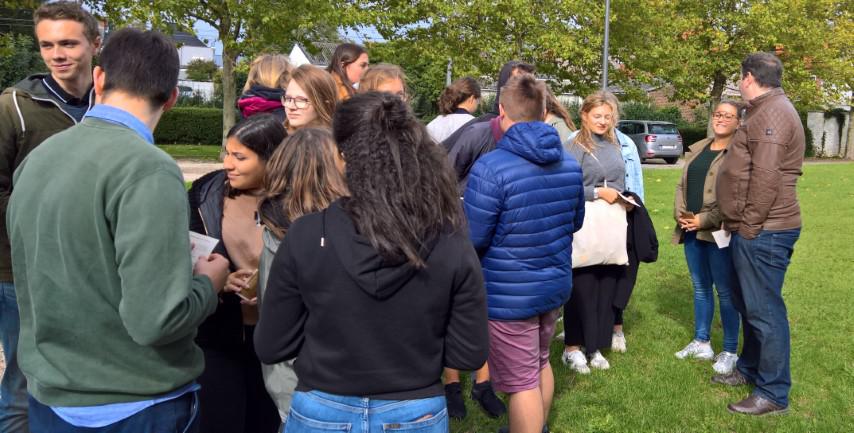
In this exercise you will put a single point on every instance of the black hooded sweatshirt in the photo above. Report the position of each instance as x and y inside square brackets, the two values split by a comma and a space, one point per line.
[359, 325]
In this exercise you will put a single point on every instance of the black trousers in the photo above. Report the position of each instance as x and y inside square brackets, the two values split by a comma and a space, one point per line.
[233, 398]
[588, 316]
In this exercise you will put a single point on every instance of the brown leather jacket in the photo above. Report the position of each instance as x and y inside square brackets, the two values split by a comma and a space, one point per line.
[757, 179]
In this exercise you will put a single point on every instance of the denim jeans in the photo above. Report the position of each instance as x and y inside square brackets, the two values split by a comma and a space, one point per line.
[710, 265]
[317, 411]
[180, 415]
[760, 267]
[13, 388]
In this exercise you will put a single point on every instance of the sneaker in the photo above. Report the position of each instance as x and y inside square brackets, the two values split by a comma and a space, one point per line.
[576, 361]
[724, 362]
[485, 396]
[697, 349]
[599, 362]
[618, 342]
[454, 397]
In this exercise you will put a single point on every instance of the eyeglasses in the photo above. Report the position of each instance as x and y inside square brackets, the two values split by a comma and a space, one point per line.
[298, 103]
[721, 115]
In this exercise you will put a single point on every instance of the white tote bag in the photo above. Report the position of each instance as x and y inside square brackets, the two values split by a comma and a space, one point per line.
[602, 238]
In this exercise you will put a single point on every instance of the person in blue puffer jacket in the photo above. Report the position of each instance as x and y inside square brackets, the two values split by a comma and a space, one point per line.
[523, 202]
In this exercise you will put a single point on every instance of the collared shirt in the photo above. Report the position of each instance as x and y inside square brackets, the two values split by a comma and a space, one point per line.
[116, 115]
[73, 106]
[103, 415]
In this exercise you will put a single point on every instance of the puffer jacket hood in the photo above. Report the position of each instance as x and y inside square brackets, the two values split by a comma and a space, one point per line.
[537, 142]
[260, 99]
[375, 275]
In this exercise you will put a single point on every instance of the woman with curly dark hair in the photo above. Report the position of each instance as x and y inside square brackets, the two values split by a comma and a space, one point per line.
[374, 295]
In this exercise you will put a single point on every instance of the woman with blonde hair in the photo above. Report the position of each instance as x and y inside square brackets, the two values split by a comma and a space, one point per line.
[309, 99]
[265, 85]
[589, 313]
[304, 175]
[384, 77]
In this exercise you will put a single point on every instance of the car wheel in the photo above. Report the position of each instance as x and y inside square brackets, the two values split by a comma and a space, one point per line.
[671, 160]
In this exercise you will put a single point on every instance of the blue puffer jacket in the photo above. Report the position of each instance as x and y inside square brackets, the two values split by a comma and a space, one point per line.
[524, 201]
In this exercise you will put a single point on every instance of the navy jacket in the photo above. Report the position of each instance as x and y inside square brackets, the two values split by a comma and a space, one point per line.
[524, 201]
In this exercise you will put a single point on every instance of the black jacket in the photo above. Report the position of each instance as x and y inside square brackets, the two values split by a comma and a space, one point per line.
[223, 330]
[642, 247]
[475, 141]
[362, 326]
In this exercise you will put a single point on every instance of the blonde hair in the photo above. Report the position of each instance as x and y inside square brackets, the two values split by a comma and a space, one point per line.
[269, 70]
[321, 90]
[302, 177]
[379, 74]
[598, 99]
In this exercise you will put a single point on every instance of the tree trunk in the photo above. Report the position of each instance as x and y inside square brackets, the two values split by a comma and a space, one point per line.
[718, 86]
[229, 95]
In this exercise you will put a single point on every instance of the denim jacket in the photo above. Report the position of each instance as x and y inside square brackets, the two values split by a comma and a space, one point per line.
[634, 174]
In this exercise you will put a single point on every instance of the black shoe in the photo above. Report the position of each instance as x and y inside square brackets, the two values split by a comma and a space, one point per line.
[454, 396]
[485, 396]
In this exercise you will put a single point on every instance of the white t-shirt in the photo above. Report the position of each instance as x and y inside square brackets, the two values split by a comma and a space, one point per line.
[444, 125]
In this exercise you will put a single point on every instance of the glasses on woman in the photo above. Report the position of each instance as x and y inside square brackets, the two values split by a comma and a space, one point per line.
[720, 115]
[298, 102]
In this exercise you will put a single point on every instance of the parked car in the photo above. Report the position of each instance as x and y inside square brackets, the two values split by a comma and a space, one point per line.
[654, 139]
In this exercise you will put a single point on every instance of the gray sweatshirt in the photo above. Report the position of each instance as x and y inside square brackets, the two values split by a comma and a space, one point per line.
[607, 165]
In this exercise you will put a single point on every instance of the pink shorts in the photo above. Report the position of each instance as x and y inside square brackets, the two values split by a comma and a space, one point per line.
[518, 350]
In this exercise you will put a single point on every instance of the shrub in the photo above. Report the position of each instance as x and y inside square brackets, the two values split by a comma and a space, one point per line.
[691, 135]
[201, 70]
[645, 111]
[190, 125]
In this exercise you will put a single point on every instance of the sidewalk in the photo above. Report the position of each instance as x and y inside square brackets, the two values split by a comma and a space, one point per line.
[195, 169]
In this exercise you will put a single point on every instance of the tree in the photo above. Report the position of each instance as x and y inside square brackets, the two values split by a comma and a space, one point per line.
[698, 46]
[243, 27]
[201, 70]
[18, 58]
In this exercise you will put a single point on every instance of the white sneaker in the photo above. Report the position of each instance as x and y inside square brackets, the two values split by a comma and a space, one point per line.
[618, 342]
[725, 362]
[576, 361]
[697, 349]
[599, 362]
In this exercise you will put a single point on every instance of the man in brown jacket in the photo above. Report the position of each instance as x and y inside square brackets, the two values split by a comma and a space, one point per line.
[31, 111]
[758, 200]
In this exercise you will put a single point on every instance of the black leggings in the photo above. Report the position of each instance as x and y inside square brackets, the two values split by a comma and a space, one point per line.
[233, 398]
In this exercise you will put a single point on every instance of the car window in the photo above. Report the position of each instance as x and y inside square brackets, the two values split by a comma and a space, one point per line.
[626, 128]
[662, 128]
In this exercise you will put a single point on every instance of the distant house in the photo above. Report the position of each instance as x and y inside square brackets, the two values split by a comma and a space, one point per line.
[300, 56]
[190, 48]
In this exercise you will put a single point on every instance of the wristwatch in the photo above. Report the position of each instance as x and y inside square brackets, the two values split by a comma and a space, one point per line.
[595, 193]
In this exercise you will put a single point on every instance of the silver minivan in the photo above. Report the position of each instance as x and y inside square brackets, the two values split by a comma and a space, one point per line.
[654, 139]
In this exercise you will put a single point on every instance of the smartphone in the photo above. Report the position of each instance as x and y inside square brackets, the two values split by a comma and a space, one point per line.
[251, 291]
[686, 215]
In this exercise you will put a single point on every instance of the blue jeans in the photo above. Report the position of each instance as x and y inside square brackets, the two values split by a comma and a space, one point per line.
[710, 265]
[317, 411]
[760, 267]
[13, 389]
[180, 415]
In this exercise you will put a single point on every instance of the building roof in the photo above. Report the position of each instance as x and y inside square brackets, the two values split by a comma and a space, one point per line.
[321, 55]
[184, 39]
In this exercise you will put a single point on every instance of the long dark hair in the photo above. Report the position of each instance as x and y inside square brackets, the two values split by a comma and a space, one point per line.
[402, 190]
[553, 106]
[457, 93]
[261, 133]
[344, 55]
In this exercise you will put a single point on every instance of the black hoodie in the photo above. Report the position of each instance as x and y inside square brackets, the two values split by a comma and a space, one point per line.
[361, 326]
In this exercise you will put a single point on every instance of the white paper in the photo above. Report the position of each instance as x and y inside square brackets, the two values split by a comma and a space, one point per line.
[628, 199]
[721, 238]
[201, 245]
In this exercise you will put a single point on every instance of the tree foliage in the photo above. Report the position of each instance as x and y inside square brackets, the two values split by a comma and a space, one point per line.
[201, 70]
[18, 58]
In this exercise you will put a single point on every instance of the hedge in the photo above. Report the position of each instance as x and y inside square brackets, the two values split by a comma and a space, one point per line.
[190, 125]
[691, 135]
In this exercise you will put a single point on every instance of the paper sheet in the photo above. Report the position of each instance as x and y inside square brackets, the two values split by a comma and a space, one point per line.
[722, 238]
[201, 245]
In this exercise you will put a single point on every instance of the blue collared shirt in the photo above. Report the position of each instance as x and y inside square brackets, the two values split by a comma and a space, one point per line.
[106, 414]
[117, 115]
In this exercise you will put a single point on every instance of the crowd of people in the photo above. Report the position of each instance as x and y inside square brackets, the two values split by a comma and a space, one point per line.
[364, 261]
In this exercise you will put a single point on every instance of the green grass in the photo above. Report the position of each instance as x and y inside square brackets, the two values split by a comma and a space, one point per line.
[192, 151]
[649, 390]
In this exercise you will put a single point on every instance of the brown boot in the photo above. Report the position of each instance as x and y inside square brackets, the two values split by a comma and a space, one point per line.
[756, 406]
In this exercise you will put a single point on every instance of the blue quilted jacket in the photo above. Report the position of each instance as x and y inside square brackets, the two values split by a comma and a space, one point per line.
[524, 201]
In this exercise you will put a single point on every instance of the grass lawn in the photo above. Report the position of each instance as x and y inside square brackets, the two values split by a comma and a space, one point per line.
[192, 151]
[649, 390]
